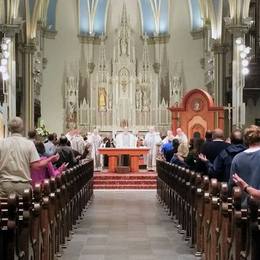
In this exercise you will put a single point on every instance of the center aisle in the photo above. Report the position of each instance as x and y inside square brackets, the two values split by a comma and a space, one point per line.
[126, 225]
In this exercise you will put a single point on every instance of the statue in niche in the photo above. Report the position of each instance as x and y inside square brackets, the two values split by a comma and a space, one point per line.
[123, 46]
[72, 110]
[110, 101]
[102, 98]
[138, 98]
[72, 102]
[176, 90]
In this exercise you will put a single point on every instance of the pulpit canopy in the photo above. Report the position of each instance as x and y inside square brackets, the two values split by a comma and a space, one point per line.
[197, 113]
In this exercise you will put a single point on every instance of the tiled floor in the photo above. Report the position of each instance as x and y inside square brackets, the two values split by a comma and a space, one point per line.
[126, 225]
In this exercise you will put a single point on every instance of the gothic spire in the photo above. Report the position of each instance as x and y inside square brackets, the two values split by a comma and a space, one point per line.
[124, 15]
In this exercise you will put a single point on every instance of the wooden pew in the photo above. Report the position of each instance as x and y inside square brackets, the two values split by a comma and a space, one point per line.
[216, 224]
[36, 225]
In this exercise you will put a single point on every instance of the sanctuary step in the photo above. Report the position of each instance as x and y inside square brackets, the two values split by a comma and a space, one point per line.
[145, 180]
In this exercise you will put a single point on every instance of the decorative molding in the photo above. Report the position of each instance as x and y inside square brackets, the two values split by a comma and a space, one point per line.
[10, 29]
[157, 39]
[197, 34]
[237, 29]
[89, 39]
[49, 34]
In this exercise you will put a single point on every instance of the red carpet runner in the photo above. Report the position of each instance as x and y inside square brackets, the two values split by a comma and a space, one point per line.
[144, 180]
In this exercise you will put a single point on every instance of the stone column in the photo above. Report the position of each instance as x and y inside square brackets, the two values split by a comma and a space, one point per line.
[29, 50]
[238, 80]
[219, 51]
[10, 31]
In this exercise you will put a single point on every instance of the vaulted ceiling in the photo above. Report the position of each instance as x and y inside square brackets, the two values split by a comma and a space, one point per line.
[155, 14]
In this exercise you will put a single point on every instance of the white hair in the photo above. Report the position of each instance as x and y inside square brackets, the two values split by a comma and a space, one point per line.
[15, 125]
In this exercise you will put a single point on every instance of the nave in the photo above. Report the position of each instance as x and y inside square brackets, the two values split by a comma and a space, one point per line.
[126, 225]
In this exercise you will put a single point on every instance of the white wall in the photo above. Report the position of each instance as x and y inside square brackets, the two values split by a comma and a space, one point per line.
[65, 48]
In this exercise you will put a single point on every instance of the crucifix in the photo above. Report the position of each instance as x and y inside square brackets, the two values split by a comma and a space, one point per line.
[229, 108]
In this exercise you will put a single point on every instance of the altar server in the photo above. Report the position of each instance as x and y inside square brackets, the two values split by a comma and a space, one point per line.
[152, 140]
[95, 141]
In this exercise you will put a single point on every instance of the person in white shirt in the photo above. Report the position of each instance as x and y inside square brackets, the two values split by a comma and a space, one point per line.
[152, 140]
[18, 157]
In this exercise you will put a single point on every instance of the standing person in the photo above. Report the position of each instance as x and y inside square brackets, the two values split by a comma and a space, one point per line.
[168, 150]
[32, 135]
[125, 140]
[181, 136]
[246, 164]
[95, 140]
[50, 147]
[77, 142]
[18, 156]
[168, 137]
[213, 148]
[38, 176]
[152, 140]
[66, 153]
[220, 168]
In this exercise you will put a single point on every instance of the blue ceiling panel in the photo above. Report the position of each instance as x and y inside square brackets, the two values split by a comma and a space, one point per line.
[100, 14]
[196, 17]
[51, 15]
[83, 17]
[100, 18]
[148, 17]
[164, 17]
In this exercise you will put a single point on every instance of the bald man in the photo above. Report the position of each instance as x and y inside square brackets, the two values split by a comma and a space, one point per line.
[212, 149]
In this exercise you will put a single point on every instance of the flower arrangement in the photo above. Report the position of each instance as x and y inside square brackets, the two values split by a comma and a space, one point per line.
[42, 131]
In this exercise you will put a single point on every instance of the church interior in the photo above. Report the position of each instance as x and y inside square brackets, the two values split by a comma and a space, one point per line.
[129, 129]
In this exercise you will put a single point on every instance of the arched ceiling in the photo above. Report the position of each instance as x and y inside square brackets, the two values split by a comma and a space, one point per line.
[196, 15]
[154, 16]
[92, 17]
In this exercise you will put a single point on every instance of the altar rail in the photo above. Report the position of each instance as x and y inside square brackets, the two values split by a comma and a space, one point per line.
[39, 224]
[213, 223]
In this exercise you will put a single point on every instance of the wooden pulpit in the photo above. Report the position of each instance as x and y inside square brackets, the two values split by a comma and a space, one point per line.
[197, 113]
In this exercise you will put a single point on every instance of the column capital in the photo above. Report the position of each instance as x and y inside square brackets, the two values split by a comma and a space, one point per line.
[237, 29]
[10, 29]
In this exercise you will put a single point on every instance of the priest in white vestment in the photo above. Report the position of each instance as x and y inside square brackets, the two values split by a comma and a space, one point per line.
[95, 141]
[152, 140]
[125, 140]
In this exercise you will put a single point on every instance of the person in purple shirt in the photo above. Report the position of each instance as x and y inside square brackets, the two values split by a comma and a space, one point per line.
[38, 176]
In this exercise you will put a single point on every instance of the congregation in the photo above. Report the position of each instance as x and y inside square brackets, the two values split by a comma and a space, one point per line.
[25, 162]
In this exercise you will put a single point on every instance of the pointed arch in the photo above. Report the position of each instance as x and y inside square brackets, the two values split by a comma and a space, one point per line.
[92, 17]
[154, 16]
